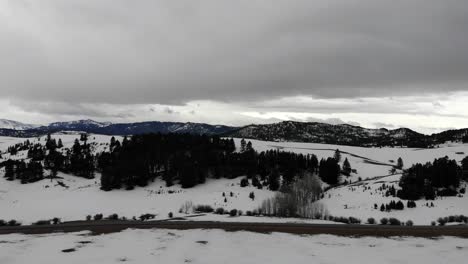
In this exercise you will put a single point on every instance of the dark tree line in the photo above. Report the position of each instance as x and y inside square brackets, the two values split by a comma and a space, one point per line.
[191, 159]
[26, 172]
[182, 158]
[441, 177]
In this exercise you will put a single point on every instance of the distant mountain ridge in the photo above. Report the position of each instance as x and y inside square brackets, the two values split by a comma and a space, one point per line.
[312, 132]
[345, 134]
[123, 129]
[10, 124]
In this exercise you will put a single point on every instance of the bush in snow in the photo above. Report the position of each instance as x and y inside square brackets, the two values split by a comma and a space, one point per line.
[249, 213]
[98, 217]
[13, 222]
[344, 220]
[219, 211]
[56, 221]
[442, 221]
[433, 223]
[394, 221]
[233, 212]
[113, 217]
[204, 209]
[3, 223]
[244, 182]
[353, 220]
[42, 222]
[453, 219]
[171, 215]
[145, 217]
[411, 204]
[89, 217]
[409, 223]
[371, 221]
[384, 221]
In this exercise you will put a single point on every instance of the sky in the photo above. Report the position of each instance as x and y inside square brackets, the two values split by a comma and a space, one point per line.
[374, 63]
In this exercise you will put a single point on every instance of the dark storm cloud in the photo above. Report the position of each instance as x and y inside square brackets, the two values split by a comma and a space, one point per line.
[170, 52]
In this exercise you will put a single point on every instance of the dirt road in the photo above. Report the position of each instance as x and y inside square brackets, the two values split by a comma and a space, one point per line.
[100, 227]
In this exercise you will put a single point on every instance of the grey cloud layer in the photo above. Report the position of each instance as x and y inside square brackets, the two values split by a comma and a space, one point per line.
[170, 52]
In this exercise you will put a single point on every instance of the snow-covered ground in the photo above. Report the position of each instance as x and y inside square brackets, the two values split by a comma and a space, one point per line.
[81, 197]
[45, 199]
[362, 158]
[216, 246]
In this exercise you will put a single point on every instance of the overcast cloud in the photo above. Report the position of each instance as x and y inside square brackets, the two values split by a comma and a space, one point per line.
[116, 59]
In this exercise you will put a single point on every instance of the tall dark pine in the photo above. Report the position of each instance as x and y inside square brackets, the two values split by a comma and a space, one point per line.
[9, 170]
[346, 167]
[337, 155]
[243, 145]
[400, 163]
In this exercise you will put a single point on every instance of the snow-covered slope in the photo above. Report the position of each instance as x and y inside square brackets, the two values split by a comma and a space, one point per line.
[10, 124]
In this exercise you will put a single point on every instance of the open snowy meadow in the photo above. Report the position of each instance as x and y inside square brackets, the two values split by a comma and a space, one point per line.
[197, 246]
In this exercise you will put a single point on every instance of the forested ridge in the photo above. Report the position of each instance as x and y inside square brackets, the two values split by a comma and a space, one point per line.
[186, 159]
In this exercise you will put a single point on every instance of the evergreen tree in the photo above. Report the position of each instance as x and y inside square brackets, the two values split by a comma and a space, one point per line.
[243, 146]
[273, 180]
[337, 155]
[347, 167]
[60, 144]
[400, 163]
[465, 168]
[9, 170]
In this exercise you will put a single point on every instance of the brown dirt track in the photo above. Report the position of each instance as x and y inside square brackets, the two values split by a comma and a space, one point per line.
[101, 227]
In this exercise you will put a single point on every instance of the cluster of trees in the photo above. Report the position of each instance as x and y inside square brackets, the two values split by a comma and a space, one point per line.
[78, 160]
[191, 159]
[26, 172]
[391, 206]
[441, 177]
[298, 199]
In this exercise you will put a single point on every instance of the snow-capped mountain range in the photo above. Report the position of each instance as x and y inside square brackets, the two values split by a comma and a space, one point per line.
[10, 124]
[312, 132]
[17, 129]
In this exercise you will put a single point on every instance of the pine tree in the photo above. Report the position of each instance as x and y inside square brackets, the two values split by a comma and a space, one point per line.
[465, 168]
[60, 144]
[400, 163]
[346, 167]
[273, 180]
[9, 170]
[243, 146]
[112, 143]
[337, 155]
[249, 147]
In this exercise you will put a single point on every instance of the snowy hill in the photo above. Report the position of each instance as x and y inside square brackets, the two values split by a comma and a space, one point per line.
[14, 125]
[333, 134]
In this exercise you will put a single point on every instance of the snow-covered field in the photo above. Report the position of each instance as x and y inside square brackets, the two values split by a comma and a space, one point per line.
[81, 197]
[216, 246]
